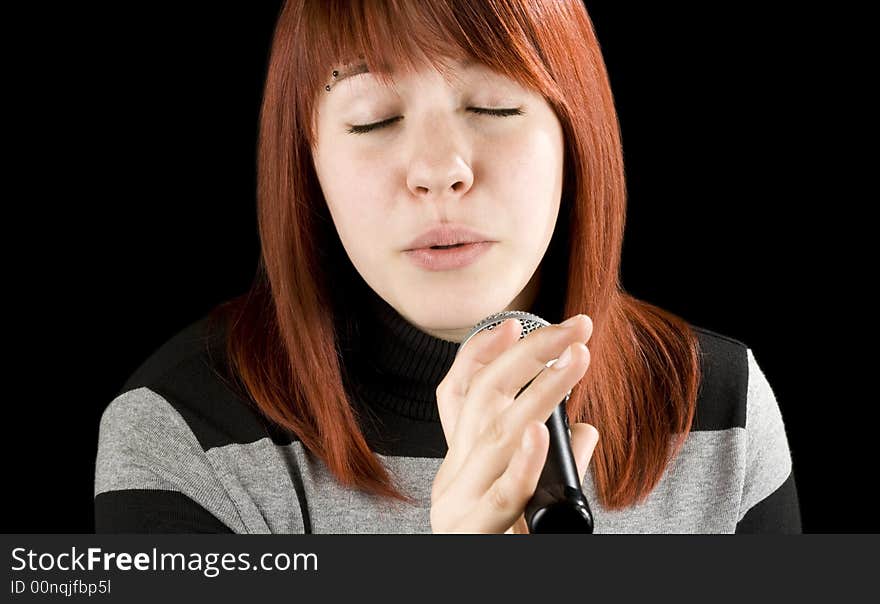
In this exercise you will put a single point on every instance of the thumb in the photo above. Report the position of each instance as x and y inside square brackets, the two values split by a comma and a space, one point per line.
[584, 438]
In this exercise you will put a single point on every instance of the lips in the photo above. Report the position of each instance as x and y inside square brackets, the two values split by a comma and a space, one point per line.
[452, 258]
[447, 234]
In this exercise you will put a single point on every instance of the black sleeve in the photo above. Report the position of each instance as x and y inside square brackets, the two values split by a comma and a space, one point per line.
[769, 501]
[152, 511]
[779, 512]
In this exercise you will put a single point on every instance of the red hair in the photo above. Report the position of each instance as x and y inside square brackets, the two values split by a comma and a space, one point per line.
[282, 341]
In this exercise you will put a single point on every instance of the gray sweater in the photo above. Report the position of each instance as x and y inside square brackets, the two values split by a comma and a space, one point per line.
[178, 451]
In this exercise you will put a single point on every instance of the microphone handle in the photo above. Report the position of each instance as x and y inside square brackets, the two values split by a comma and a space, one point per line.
[558, 504]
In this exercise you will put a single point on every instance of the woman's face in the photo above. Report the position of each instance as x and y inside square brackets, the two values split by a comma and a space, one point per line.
[440, 161]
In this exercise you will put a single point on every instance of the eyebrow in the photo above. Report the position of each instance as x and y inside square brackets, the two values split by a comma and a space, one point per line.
[362, 68]
[351, 71]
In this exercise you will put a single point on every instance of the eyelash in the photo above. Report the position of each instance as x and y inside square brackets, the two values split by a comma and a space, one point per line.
[478, 110]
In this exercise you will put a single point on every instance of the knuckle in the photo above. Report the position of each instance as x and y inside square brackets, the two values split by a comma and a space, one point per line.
[485, 385]
[499, 498]
[440, 391]
[496, 432]
[479, 380]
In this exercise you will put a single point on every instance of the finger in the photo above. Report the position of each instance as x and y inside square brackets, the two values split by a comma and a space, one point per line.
[516, 365]
[545, 393]
[519, 527]
[500, 506]
[584, 438]
[479, 351]
[494, 387]
[489, 457]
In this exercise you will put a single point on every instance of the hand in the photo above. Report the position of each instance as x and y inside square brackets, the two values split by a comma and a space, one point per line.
[488, 476]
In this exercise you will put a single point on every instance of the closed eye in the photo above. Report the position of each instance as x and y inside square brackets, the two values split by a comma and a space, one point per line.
[479, 110]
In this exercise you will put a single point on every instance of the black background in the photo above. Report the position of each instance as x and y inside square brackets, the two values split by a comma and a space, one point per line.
[136, 215]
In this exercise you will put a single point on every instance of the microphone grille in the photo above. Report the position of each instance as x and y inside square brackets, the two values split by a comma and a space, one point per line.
[529, 323]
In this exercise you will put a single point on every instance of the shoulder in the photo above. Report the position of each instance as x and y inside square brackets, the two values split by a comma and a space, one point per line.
[188, 375]
[179, 350]
[723, 391]
[735, 395]
[734, 390]
[715, 339]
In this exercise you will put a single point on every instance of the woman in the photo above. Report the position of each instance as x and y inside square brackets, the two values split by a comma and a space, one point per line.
[329, 398]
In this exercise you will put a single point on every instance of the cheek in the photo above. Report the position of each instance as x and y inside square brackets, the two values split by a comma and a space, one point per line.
[352, 187]
[357, 221]
[339, 172]
[533, 161]
[527, 173]
[361, 221]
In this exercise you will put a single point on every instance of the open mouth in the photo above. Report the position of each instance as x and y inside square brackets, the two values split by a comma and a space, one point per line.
[446, 247]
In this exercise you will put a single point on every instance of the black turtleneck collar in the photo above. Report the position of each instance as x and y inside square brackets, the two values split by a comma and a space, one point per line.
[392, 364]
[396, 365]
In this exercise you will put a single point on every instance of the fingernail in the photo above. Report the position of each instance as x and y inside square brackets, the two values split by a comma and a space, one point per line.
[563, 360]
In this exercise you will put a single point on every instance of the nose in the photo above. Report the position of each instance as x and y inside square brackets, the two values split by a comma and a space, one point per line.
[438, 168]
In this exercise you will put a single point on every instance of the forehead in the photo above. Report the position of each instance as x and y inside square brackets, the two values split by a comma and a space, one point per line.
[355, 76]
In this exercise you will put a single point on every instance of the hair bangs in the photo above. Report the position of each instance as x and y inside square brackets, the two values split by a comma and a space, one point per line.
[397, 39]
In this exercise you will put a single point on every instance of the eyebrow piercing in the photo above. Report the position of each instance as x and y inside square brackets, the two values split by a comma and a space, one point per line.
[355, 70]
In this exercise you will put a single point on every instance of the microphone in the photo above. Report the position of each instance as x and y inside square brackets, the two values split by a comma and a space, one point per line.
[558, 504]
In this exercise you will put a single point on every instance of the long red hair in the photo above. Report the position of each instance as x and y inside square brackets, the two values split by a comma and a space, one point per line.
[283, 339]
